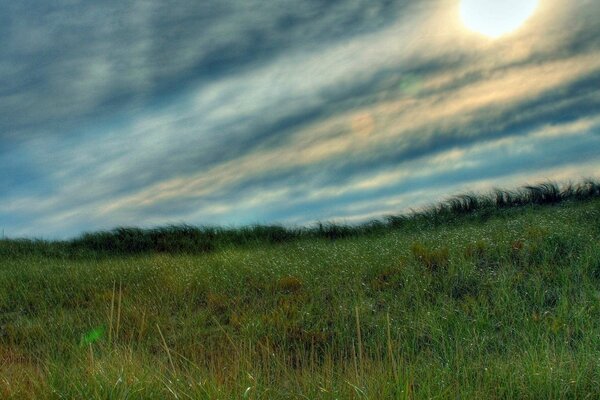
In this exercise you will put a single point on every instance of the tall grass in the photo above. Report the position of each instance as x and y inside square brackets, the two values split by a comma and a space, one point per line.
[199, 240]
[503, 306]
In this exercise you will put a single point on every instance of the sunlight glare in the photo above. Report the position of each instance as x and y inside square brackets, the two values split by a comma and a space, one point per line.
[494, 18]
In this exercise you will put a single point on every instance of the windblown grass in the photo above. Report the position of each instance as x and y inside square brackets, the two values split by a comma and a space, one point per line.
[453, 302]
[177, 239]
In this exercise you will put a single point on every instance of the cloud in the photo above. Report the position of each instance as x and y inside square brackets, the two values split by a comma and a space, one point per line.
[150, 112]
[66, 61]
[407, 127]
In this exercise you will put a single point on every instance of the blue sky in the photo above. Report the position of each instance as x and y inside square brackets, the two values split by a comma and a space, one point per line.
[232, 112]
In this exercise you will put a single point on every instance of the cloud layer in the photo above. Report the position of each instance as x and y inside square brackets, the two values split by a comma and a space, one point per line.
[234, 112]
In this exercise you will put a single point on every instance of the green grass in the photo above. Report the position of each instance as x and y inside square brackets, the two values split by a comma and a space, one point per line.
[481, 297]
[200, 240]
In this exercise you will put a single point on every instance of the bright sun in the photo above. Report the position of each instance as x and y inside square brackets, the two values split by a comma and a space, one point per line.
[495, 18]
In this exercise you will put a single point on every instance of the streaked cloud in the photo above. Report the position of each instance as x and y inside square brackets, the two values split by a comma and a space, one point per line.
[146, 112]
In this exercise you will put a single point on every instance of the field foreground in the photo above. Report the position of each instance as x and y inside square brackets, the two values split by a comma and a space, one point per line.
[502, 305]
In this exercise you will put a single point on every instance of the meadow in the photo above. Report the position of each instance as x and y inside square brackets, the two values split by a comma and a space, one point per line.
[481, 297]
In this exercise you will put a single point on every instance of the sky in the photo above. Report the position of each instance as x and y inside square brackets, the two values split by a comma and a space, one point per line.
[235, 112]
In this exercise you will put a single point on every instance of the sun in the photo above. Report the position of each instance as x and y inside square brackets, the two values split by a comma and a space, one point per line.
[495, 18]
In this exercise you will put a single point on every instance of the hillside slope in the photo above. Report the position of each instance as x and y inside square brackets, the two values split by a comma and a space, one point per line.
[500, 304]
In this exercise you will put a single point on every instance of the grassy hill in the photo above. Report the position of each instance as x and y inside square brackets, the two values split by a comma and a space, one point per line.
[492, 296]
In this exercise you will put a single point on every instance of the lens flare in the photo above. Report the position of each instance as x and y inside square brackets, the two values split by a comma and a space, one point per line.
[92, 336]
[495, 18]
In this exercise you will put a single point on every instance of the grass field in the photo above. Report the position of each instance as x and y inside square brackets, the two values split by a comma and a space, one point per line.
[481, 297]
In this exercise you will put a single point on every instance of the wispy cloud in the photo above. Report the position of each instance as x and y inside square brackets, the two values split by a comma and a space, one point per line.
[235, 112]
